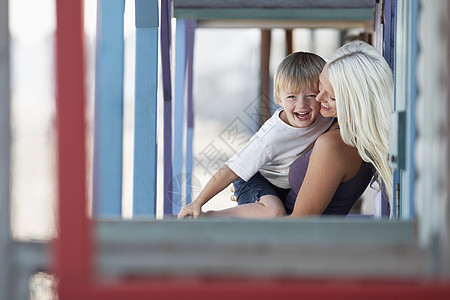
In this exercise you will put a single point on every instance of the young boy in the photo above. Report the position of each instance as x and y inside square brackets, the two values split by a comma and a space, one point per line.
[259, 171]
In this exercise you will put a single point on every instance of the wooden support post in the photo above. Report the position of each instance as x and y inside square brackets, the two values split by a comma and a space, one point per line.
[388, 50]
[446, 229]
[145, 112]
[5, 139]
[190, 107]
[312, 34]
[109, 109]
[342, 36]
[265, 75]
[73, 252]
[166, 38]
[378, 27]
[289, 41]
[389, 32]
[179, 114]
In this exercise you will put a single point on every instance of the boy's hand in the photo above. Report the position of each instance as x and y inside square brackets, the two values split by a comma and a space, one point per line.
[191, 210]
[232, 197]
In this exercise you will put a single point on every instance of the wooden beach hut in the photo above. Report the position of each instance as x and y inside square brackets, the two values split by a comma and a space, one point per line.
[106, 257]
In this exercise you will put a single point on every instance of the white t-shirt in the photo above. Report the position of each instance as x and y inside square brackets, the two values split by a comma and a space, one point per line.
[273, 149]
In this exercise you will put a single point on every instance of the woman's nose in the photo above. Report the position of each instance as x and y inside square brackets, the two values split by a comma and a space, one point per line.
[319, 97]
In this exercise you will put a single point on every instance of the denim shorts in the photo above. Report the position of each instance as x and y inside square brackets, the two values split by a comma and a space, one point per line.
[256, 187]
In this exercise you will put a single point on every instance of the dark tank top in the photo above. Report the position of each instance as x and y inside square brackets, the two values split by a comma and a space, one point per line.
[346, 195]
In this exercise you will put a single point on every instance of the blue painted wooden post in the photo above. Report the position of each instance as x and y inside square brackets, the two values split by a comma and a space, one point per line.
[109, 109]
[166, 38]
[145, 111]
[389, 32]
[405, 102]
[410, 181]
[389, 54]
[178, 122]
[190, 35]
[5, 139]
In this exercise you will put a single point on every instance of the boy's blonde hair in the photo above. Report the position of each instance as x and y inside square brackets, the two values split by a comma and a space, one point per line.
[364, 91]
[298, 71]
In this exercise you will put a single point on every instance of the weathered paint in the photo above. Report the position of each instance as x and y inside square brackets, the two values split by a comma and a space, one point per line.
[145, 111]
[166, 38]
[179, 116]
[5, 144]
[190, 38]
[73, 245]
[109, 109]
[355, 14]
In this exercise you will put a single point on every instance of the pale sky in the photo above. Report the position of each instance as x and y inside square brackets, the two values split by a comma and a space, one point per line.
[31, 20]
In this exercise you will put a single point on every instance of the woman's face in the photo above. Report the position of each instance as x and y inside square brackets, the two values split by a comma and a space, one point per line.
[326, 95]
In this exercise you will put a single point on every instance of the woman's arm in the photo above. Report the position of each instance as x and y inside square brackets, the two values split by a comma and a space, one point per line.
[331, 162]
[220, 180]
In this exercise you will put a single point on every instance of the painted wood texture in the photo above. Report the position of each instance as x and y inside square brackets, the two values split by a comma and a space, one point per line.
[109, 109]
[262, 248]
[190, 38]
[405, 100]
[264, 77]
[267, 289]
[179, 116]
[267, 4]
[72, 260]
[5, 144]
[166, 38]
[409, 180]
[145, 112]
[431, 191]
[389, 32]
[275, 14]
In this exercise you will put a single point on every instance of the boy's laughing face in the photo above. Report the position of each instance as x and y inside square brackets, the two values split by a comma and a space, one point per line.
[300, 107]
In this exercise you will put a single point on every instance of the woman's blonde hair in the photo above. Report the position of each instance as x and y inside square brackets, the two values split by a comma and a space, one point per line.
[297, 71]
[364, 91]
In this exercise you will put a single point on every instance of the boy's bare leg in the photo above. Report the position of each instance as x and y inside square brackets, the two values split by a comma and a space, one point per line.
[269, 206]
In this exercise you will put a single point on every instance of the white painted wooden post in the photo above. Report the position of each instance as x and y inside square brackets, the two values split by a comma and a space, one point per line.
[5, 240]
[179, 114]
[446, 229]
[405, 104]
[431, 189]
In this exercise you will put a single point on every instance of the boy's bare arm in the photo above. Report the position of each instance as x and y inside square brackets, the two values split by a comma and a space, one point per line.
[219, 181]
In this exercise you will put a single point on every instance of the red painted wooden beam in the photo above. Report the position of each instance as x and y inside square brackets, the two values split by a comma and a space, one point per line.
[269, 289]
[73, 264]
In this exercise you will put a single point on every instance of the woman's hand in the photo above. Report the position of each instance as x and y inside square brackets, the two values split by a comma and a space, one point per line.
[192, 210]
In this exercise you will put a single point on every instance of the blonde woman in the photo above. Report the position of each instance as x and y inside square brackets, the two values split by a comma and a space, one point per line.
[356, 87]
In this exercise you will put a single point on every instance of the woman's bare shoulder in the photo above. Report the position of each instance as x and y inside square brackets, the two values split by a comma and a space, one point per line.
[331, 144]
[330, 138]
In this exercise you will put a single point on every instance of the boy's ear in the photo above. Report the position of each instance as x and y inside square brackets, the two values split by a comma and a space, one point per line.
[278, 101]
